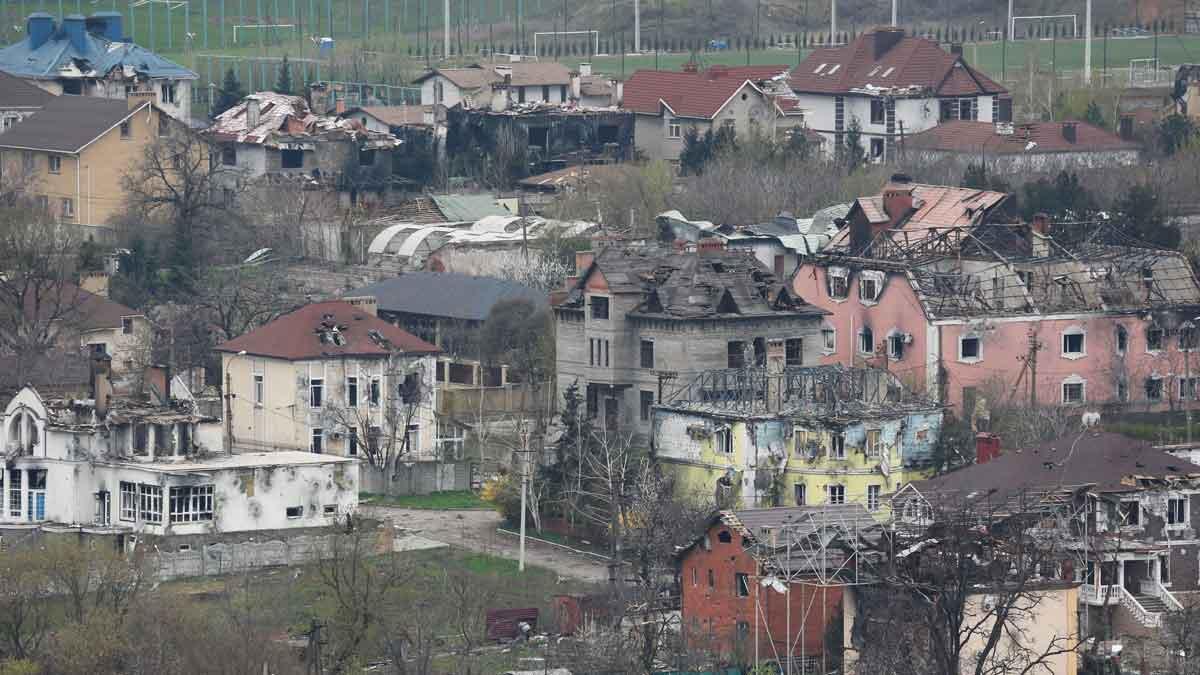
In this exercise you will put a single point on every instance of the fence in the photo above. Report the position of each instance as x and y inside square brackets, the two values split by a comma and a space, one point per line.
[506, 400]
[417, 478]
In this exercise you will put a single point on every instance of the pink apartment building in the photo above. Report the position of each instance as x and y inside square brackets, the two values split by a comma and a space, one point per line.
[924, 281]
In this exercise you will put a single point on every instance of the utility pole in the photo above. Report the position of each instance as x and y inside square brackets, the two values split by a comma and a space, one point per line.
[1009, 27]
[1087, 44]
[832, 21]
[524, 490]
[637, 28]
[446, 32]
[895, 22]
[1030, 359]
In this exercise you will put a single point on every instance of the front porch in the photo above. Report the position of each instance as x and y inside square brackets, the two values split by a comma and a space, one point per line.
[1134, 581]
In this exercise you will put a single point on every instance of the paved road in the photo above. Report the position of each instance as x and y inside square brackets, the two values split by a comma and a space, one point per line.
[476, 530]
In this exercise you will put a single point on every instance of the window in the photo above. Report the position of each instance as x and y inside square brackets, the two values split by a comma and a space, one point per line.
[28, 161]
[127, 325]
[1187, 337]
[837, 282]
[725, 537]
[9, 120]
[877, 111]
[870, 285]
[294, 512]
[837, 446]
[191, 504]
[167, 93]
[1122, 389]
[103, 507]
[735, 354]
[1122, 340]
[969, 348]
[741, 585]
[43, 203]
[229, 155]
[1177, 511]
[67, 208]
[1072, 343]
[793, 352]
[352, 441]
[125, 130]
[128, 505]
[876, 148]
[55, 163]
[800, 491]
[645, 403]
[599, 307]
[545, 92]
[291, 159]
[872, 497]
[1154, 388]
[316, 392]
[1131, 513]
[1187, 388]
[598, 352]
[373, 399]
[259, 389]
[352, 391]
[828, 340]
[317, 445]
[1072, 392]
[712, 581]
[866, 341]
[675, 130]
[14, 493]
[150, 508]
[329, 509]
[835, 494]
[35, 494]
[695, 578]
[873, 445]
[164, 127]
[743, 630]
[647, 353]
[1154, 339]
[366, 157]
[723, 441]
[895, 346]
[412, 438]
[439, 91]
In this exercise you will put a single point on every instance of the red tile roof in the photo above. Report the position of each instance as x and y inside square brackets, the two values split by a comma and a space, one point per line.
[967, 136]
[307, 333]
[697, 95]
[886, 58]
[84, 310]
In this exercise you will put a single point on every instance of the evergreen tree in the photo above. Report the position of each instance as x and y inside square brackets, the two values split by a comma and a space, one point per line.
[229, 94]
[283, 82]
[1093, 115]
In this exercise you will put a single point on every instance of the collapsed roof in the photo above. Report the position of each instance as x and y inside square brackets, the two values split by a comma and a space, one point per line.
[274, 120]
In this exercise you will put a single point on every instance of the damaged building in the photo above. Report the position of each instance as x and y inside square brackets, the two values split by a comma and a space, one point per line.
[92, 56]
[638, 318]
[273, 137]
[95, 460]
[758, 437]
[1077, 315]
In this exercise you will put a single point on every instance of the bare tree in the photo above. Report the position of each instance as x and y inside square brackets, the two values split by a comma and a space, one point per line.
[25, 613]
[239, 298]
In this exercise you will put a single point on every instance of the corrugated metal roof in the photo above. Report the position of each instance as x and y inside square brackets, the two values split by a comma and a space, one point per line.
[469, 208]
[442, 294]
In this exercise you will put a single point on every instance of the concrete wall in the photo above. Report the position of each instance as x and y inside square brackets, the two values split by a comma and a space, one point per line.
[418, 478]
[187, 559]
[1037, 162]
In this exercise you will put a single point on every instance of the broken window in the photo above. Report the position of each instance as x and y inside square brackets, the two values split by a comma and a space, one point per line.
[609, 133]
[229, 155]
[647, 353]
[190, 504]
[599, 307]
[373, 400]
[828, 339]
[1122, 340]
[128, 502]
[1122, 389]
[352, 441]
[125, 130]
[735, 354]
[164, 126]
[35, 494]
[760, 352]
[410, 389]
[866, 341]
[150, 503]
[451, 440]
[1131, 513]
[545, 92]
[793, 349]
[1154, 338]
[837, 446]
[872, 497]
[103, 507]
[72, 87]
[141, 440]
[877, 111]
[969, 348]
[291, 159]
[294, 512]
[1154, 388]
[538, 136]
[645, 404]
[366, 157]
[1187, 337]
[520, 94]
[725, 537]
[742, 585]
[876, 148]
[837, 282]
[167, 93]
[723, 441]
[895, 346]
[317, 444]
[835, 494]
[1073, 343]
[800, 492]
[185, 439]
[1072, 392]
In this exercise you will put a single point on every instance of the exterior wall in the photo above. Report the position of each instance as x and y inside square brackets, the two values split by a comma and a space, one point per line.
[746, 109]
[912, 114]
[371, 123]
[92, 179]
[684, 443]
[535, 94]
[711, 615]
[1042, 162]
[285, 420]
[181, 109]
[129, 351]
[451, 94]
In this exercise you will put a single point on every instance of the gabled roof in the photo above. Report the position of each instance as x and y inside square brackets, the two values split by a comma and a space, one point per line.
[474, 77]
[697, 95]
[443, 294]
[969, 137]
[393, 115]
[283, 115]
[68, 123]
[17, 93]
[93, 56]
[524, 74]
[1107, 462]
[885, 58]
[327, 330]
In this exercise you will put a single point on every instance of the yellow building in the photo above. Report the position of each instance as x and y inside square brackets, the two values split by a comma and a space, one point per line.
[820, 435]
[72, 154]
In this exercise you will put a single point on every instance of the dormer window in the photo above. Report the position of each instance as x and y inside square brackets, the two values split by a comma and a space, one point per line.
[599, 307]
[820, 68]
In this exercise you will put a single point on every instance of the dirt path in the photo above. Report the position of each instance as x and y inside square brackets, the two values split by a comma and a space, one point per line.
[476, 530]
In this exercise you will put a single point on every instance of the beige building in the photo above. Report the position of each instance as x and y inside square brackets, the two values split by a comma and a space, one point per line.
[331, 378]
[75, 151]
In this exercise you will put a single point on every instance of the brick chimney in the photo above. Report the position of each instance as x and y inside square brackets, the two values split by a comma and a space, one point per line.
[583, 260]
[987, 447]
[884, 39]
[897, 199]
[1069, 132]
[136, 99]
[710, 246]
[101, 381]
[252, 113]
[1039, 235]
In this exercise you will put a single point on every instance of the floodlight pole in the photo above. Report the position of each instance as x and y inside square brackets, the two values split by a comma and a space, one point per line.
[1011, 37]
[637, 27]
[832, 21]
[446, 36]
[1087, 44]
[895, 22]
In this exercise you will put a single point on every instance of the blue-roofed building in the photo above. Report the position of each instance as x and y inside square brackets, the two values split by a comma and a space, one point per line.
[90, 56]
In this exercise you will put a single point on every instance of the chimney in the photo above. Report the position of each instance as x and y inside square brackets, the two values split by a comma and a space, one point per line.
[136, 99]
[39, 27]
[710, 246]
[583, 260]
[956, 49]
[585, 69]
[884, 39]
[75, 28]
[1039, 235]
[987, 447]
[897, 198]
[107, 25]
[158, 380]
[340, 106]
[252, 108]
[1125, 128]
[691, 67]
[101, 389]
[1069, 132]
[95, 283]
[366, 303]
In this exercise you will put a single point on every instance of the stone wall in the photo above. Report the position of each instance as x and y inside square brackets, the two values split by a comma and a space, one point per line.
[418, 478]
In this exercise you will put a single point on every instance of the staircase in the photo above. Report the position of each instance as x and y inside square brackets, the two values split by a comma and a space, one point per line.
[1151, 603]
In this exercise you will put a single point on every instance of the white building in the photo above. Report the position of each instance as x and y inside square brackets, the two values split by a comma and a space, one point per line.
[890, 86]
[496, 87]
[1005, 147]
[119, 466]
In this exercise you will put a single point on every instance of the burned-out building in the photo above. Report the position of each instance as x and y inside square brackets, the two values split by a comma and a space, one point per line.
[637, 318]
[277, 136]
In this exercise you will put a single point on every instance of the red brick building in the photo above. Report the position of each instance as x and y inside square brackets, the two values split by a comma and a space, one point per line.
[734, 586]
